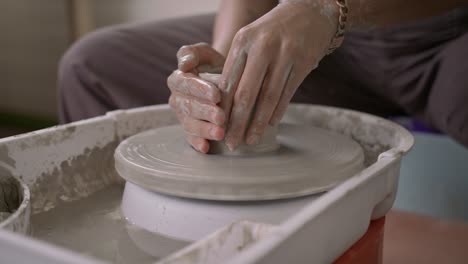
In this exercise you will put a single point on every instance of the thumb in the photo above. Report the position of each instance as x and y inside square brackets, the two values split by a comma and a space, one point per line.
[190, 57]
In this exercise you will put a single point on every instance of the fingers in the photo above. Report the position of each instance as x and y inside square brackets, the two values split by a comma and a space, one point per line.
[203, 129]
[195, 99]
[270, 94]
[191, 56]
[231, 76]
[198, 143]
[294, 80]
[212, 78]
[199, 132]
[245, 97]
[191, 85]
[230, 81]
[209, 68]
[193, 108]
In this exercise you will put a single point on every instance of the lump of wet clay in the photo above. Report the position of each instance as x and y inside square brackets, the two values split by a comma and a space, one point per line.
[303, 160]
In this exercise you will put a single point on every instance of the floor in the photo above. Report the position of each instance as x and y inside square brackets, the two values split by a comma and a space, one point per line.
[413, 238]
[434, 178]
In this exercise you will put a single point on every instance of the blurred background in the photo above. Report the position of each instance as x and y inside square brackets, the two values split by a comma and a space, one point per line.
[34, 36]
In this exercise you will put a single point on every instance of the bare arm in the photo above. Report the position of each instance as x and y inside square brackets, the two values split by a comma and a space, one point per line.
[271, 56]
[270, 48]
[195, 100]
[234, 15]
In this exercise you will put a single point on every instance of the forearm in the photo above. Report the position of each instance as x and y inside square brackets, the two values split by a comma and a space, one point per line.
[235, 14]
[368, 14]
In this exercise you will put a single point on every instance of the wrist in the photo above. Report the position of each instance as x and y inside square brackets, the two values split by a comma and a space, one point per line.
[221, 46]
[232, 16]
[338, 38]
[324, 18]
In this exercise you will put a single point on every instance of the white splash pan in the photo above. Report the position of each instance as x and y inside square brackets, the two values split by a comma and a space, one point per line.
[71, 162]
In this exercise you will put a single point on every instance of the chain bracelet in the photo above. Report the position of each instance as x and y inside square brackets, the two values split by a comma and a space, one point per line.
[342, 19]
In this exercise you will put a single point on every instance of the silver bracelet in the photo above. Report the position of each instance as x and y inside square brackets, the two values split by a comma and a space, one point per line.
[342, 19]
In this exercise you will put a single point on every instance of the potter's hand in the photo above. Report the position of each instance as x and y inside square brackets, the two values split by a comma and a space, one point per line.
[267, 62]
[193, 99]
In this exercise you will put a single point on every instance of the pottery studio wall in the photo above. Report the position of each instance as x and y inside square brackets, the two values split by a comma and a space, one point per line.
[33, 36]
[36, 33]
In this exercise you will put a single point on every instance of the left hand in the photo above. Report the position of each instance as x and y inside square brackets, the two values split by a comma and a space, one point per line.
[267, 62]
[195, 100]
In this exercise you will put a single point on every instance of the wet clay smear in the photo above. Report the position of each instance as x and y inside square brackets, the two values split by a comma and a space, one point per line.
[94, 226]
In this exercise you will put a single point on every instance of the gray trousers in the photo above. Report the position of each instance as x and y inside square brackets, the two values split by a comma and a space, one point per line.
[419, 69]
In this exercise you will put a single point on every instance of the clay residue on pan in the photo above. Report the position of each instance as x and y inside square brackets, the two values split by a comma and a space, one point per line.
[60, 176]
[75, 178]
[5, 157]
[4, 216]
[374, 135]
[50, 139]
[10, 191]
[13, 201]
[247, 238]
[10, 196]
[231, 240]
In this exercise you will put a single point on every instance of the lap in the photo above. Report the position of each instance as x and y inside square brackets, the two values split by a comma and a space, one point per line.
[132, 62]
[340, 82]
[127, 66]
[447, 102]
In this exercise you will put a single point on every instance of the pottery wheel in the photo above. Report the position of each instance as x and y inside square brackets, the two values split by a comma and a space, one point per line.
[308, 160]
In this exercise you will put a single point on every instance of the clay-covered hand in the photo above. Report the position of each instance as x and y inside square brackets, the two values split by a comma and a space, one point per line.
[195, 100]
[267, 62]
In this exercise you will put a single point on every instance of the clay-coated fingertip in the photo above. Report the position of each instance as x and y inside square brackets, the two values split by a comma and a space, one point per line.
[219, 119]
[231, 146]
[204, 148]
[217, 133]
[223, 85]
[185, 61]
[252, 140]
[184, 66]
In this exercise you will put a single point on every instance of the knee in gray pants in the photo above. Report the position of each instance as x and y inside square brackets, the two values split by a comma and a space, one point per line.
[447, 107]
[80, 69]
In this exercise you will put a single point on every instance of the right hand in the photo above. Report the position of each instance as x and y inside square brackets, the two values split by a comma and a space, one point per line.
[195, 100]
